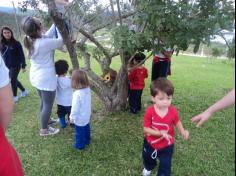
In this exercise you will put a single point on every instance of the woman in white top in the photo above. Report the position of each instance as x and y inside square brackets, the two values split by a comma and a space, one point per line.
[42, 71]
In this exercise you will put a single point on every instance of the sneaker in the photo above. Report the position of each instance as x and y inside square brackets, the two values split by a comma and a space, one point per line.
[146, 172]
[15, 99]
[53, 121]
[49, 131]
[24, 93]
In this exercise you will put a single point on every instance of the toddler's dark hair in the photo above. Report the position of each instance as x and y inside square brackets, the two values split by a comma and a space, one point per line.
[139, 57]
[162, 85]
[61, 67]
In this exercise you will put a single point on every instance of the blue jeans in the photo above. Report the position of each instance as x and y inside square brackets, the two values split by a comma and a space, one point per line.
[150, 156]
[82, 136]
[135, 101]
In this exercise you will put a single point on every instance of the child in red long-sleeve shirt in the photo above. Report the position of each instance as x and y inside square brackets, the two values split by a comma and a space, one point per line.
[137, 78]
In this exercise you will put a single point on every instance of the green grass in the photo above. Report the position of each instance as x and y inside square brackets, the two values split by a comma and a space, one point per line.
[117, 138]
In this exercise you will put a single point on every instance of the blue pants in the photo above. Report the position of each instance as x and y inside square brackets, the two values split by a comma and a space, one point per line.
[160, 69]
[82, 136]
[62, 111]
[135, 101]
[150, 156]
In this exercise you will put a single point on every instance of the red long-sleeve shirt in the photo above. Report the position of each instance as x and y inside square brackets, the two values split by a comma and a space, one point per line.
[10, 162]
[137, 78]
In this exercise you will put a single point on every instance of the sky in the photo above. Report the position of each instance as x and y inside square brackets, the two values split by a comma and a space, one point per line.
[8, 3]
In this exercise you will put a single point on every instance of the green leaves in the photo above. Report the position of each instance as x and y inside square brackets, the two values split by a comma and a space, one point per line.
[181, 23]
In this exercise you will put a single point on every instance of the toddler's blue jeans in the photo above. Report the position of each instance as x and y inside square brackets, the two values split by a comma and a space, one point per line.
[82, 136]
[150, 156]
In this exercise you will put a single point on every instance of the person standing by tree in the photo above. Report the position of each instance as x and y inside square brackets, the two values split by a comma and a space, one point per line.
[137, 78]
[41, 50]
[14, 59]
[10, 162]
[161, 63]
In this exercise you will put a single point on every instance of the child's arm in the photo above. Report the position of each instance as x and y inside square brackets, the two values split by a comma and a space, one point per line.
[75, 107]
[182, 131]
[157, 133]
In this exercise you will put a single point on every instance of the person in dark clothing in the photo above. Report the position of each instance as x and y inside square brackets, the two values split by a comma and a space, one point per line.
[14, 58]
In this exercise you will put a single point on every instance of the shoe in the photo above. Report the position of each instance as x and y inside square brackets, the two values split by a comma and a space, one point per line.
[24, 93]
[77, 148]
[146, 172]
[52, 121]
[49, 131]
[15, 99]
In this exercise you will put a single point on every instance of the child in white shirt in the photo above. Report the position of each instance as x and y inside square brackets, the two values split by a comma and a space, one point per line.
[64, 92]
[81, 108]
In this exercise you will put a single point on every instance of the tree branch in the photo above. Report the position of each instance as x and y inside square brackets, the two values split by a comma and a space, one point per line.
[120, 17]
[110, 22]
[55, 15]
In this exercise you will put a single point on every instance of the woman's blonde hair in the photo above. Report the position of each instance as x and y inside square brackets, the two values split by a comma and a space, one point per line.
[79, 80]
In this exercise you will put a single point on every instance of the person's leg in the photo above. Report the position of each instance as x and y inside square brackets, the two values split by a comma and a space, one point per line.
[47, 101]
[87, 138]
[139, 99]
[149, 157]
[61, 112]
[13, 74]
[79, 137]
[164, 67]
[41, 101]
[155, 71]
[133, 104]
[20, 86]
[165, 157]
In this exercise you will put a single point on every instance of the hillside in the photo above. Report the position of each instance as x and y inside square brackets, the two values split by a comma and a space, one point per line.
[9, 20]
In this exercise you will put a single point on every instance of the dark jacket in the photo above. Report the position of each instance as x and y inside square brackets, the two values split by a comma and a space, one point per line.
[13, 55]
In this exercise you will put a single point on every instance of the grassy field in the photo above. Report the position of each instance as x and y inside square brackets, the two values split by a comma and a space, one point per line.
[117, 138]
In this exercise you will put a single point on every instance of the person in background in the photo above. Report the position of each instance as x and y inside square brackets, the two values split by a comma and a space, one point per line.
[81, 109]
[41, 48]
[64, 92]
[136, 79]
[14, 59]
[161, 63]
[10, 162]
[226, 101]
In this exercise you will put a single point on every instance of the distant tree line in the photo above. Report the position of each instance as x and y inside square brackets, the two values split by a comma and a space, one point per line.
[9, 20]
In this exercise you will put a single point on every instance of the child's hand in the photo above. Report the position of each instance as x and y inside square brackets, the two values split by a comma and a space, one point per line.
[165, 135]
[186, 135]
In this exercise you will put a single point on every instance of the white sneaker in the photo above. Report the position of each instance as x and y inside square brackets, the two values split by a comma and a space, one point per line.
[49, 131]
[15, 99]
[24, 93]
[146, 172]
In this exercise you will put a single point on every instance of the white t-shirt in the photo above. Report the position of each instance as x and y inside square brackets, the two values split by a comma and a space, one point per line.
[160, 55]
[64, 91]
[4, 74]
[42, 70]
[81, 107]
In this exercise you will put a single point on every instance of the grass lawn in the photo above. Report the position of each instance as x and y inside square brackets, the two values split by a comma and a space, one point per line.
[117, 138]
